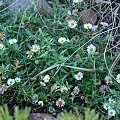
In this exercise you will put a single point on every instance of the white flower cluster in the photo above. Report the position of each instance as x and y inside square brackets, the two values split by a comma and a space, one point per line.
[11, 82]
[109, 106]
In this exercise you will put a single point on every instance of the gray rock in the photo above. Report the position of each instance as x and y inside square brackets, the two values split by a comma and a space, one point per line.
[25, 4]
[41, 116]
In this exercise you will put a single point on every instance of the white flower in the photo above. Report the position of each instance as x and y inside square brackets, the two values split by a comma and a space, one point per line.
[12, 41]
[111, 112]
[69, 12]
[79, 76]
[88, 26]
[111, 101]
[42, 83]
[62, 40]
[98, 82]
[29, 53]
[35, 98]
[46, 78]
[53, 88]
[60, 102]
[72, 23]
[106, 106]
[1, 46]
[17, 79]
[77, 1]
[73, 96]
[40, 103]
[76, 90]
[118, 78]
[91, 49]
[35, 48]
[64, 89]
[104, 24]
[74, 12]
[94, 27]
[10, 81]
[108, 79]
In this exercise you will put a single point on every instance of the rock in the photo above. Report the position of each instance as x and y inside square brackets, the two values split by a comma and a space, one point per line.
[41, 116]
[25, 4]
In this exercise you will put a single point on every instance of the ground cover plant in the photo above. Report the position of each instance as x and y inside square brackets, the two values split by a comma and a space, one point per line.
[61, 60]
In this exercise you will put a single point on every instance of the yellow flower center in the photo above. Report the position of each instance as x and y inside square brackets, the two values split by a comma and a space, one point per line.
[1, 35]
[79, 76]
[34, 48]
[1, 47]
[60, 103]
[62, 41]
[91, 49]
[72, 23]
[77, 90]
[88, 27]
[63, 90]
[111, 113]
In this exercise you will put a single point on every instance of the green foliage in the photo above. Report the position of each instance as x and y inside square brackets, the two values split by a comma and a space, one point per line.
[18, 114]
[31, 27]
[89, 115]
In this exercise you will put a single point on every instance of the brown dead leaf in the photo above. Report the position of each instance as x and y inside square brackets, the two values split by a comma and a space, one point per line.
[16, 63]
[88, 16]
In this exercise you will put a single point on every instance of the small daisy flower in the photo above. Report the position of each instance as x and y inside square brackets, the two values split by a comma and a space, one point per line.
[2, 36]
[118, 78]
[72, 97]
[35, 48]
[77, 1]
[111, 101]
[53, 88]
[43, 84]
[108, 79]
[17, 79]
[76, 90]
[98, 82]
[79, 76]
[111, 112]
[77, 56]
[12, 41]
[72, 23]
[91, 49]
[29, 53]
[62, 40]
[60, 102]
[5, 87]
[103, 88]
[10, 82]
[88, 26]
[68, 18]
[1, 46]
[46, 78]
[106, 106]
[40, 103]
[35, 98]
[51, 109]
[64, 89]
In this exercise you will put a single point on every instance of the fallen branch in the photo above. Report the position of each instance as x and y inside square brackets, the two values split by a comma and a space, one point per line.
[59, 65]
